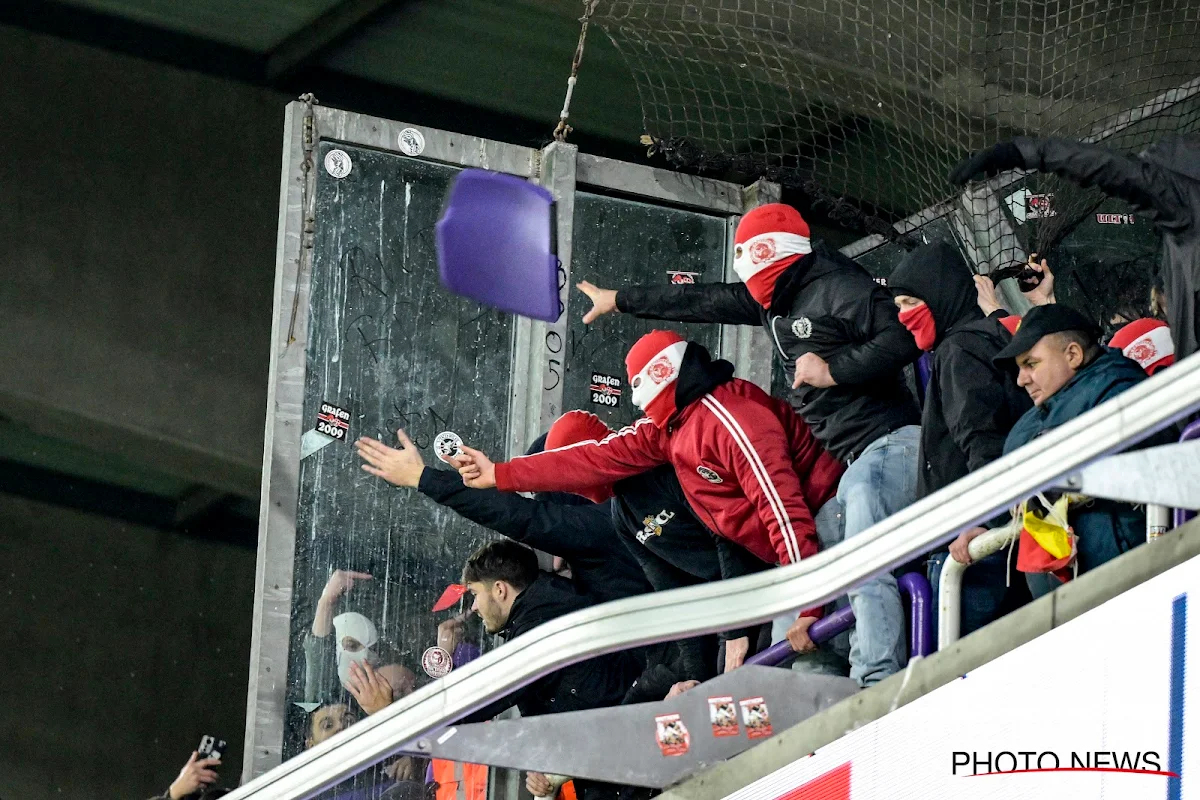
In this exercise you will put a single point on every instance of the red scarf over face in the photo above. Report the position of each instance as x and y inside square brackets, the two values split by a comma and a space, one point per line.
[919, 322]
[574, 427]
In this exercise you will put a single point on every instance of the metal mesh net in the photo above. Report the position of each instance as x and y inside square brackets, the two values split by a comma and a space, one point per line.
[865, 105]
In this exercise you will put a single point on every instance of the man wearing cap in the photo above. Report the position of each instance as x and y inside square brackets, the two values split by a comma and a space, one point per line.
[971, 402]
[836, 329]
[1067, 373]
[750, 468]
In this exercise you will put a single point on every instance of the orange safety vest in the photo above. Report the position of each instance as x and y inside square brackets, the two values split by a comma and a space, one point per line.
[458, 781]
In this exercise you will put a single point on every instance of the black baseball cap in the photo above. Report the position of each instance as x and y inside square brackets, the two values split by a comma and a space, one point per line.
[1043, 321]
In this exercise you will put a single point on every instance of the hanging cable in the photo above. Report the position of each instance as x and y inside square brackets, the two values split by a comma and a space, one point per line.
[562, 129]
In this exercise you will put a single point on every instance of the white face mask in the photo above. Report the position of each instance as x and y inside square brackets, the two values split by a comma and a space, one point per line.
[345, 658]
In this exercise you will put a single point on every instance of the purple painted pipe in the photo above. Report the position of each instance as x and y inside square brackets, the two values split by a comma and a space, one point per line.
[920, 612]
[920, 597]
[1182, 515]
[822, 630]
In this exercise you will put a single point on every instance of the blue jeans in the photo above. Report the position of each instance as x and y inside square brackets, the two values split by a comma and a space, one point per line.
[880, 482]
[831, 658]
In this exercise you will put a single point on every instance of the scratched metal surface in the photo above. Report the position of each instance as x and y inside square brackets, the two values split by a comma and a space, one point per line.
[391, 345]
[619, 242]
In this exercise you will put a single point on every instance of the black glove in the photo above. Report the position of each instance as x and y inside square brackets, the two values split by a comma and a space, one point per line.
[989, 161]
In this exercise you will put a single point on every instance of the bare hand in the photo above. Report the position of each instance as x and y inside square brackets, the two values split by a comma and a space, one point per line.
[196, 774]
[735, 652]
[958, 548]
[797, 635]
[400, 466]
[680, 688]
[985, 293]
[450, 633]
[1043, 293]
[371, 691]
[341, 582]
[538, 784]
[402, 769]
[604, 301]
[812, 370]
[476, 469]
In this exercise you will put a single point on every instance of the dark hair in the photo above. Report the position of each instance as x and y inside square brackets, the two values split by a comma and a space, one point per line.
[505, 560]
[1086, 341]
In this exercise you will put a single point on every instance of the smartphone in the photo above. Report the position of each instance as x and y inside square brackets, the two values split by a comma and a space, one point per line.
[210, 747]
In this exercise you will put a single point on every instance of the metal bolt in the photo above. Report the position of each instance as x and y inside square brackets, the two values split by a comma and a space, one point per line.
[423, 744]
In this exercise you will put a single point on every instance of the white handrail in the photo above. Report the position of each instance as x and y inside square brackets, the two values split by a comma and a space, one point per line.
[950, 580]
[723, 605]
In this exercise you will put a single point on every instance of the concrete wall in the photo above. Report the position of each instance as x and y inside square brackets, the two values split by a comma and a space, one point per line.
[123, 646]
[138, 205]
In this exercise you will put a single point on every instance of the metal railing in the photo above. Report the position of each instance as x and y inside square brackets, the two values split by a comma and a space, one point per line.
[723, 605]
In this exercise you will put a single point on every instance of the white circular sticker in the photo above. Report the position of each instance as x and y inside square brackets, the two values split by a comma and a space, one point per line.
[436, 662]
[412, 142]
[338, 164]
[447, 444]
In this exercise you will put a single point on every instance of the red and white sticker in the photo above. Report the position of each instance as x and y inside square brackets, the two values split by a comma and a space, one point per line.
[681, 278]
[436, 662]
[672, 734]
[756, 718]
[1114, 219]
[722, 713]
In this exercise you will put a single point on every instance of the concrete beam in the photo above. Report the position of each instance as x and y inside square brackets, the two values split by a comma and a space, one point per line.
[1041, 616]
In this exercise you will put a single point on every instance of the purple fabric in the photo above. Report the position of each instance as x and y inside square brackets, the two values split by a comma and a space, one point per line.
[429, 772]
[924, 368]
[495, 244]
[920, 597]
[465, 654]
[1182, 515]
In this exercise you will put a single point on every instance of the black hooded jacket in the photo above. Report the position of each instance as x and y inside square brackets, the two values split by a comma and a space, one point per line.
[825, 304]
[970, 403]
[1164, 184]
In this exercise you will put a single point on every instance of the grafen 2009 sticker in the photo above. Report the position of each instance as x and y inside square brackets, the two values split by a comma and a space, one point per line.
[333, 421]
[606, 390]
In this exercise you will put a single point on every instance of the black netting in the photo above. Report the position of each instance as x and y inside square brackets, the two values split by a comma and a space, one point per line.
[865, 105]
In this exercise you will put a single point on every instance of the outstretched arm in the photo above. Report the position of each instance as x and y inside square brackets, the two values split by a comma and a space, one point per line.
[725, 303]
[561, 530]
[630, 451]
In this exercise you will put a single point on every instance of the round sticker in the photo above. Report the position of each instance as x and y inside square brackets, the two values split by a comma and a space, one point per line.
[338, 164]
[447, 444]
[412, 142]
[436, 662]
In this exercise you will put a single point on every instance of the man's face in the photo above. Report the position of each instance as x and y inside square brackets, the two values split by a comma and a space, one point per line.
[489, 605]
[906, 302]
[327, 721]
[1048, 366]
[351, 645]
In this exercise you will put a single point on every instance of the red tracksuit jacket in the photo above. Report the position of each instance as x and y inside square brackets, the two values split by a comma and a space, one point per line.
[750, 467]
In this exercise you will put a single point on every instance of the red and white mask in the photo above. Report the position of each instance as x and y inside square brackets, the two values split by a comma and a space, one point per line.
[769, 239]
[653, 365]
[1146, 341]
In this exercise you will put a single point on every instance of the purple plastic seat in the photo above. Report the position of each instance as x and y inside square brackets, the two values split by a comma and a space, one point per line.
[495, 244]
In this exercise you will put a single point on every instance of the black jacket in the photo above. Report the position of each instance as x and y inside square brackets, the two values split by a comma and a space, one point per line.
[596, 683]
[824, 304]
[970, 403]
[1164, 184]
[653, 518]
[582, 534]
[599, 682]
